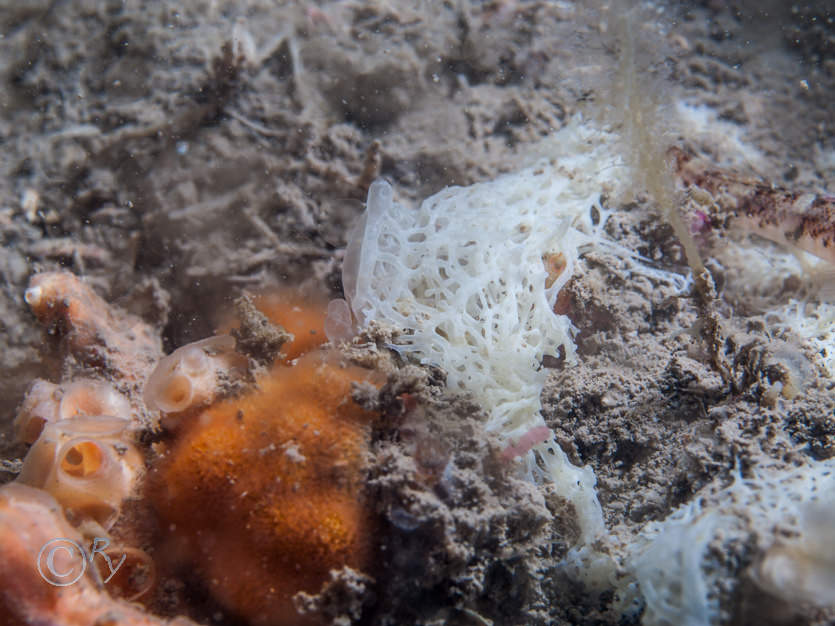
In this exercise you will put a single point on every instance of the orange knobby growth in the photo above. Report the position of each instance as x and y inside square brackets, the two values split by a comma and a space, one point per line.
[301, 315]
[279, 474]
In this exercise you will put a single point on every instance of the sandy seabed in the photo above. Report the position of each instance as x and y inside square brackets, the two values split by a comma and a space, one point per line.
[177, 154]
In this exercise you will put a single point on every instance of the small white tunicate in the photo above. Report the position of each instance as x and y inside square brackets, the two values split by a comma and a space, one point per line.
[87, 463]
[189, 376]
[339, 325]
[92, 397]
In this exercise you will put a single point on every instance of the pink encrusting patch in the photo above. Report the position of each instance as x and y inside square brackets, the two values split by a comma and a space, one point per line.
[700, 223]
[526, 442]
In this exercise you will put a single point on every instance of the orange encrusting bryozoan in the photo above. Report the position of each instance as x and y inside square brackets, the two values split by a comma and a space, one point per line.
[263, 491]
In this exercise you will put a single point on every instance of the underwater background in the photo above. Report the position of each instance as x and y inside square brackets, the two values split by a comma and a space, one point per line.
[569, 360]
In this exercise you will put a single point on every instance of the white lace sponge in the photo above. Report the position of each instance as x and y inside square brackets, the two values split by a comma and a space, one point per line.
[473, 273]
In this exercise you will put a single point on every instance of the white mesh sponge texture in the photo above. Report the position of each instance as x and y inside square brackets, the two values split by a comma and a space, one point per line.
[464, 272]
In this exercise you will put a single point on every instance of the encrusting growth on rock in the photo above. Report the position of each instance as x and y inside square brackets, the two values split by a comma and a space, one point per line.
[100, 338]
[279, 460]
[29, 518]
[789, 218]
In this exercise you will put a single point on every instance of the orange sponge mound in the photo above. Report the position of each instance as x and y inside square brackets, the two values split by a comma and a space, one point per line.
[263, 491]
[303, 316]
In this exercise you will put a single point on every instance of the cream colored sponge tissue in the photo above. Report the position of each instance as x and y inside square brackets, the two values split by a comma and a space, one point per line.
[472, 276]
[473, 272]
